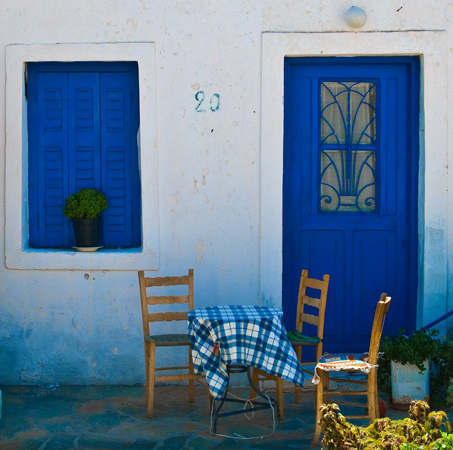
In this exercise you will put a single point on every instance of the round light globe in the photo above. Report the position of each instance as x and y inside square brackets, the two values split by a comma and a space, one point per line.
[356, 17]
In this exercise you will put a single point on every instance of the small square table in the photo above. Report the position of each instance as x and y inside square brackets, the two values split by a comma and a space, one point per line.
[222, 337]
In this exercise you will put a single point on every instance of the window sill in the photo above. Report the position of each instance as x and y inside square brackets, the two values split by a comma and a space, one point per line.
[68, 259]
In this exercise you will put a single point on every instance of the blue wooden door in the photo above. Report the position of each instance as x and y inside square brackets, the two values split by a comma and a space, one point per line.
[350, 190]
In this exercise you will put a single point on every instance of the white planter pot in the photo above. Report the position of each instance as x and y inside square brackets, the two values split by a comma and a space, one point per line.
[408, 384]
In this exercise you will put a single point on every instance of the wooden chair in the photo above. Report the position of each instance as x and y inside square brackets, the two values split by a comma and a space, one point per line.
[371, 407]
[297, 339]
[165, 340]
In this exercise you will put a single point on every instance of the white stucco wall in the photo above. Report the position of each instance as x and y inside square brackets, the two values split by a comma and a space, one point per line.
[213, 182]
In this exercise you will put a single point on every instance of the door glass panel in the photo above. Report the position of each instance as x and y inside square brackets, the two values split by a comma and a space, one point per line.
[348, 146]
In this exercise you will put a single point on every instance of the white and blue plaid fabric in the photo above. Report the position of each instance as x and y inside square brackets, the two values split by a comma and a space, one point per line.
[248, 335]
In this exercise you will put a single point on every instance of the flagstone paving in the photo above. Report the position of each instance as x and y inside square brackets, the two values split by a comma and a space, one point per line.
[112, 417]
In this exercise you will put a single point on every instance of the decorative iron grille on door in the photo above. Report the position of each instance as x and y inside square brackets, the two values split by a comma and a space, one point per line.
[348, 146]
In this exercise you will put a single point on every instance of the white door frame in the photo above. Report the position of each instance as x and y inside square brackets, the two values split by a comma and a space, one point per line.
[431, 46]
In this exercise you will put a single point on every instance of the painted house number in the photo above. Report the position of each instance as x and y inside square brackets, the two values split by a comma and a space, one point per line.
[214, 102]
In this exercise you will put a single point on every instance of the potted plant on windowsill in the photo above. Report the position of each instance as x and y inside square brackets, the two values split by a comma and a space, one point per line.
[405, 360]
[84, 208]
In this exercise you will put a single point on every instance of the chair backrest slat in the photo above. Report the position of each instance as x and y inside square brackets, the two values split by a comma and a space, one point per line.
[167, 281]
[315, 302]
[378, 325]
[314, 283]
[167, 316]
[167, 300]
[164, 299]
[311, 319]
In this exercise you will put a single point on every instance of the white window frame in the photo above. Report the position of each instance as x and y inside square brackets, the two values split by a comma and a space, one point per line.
[18, 255]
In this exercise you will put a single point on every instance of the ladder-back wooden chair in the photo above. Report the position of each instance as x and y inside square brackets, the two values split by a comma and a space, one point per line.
[165, 340]
[299, 340]
[353, 363]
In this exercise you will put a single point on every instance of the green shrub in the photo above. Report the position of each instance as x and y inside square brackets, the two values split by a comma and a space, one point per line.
[423, 344]
[450, 392]
[423, 429]
[440, 380]
[445, 442]
[414, 349]
[85, 204]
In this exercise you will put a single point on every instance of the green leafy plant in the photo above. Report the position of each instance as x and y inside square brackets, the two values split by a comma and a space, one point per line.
[442, 371]
[423, 429]
[415, 349]
[85, 204]
[450, 392]
[445, 442]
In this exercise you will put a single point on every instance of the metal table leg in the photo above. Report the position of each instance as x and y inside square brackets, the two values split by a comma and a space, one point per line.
[239, 368]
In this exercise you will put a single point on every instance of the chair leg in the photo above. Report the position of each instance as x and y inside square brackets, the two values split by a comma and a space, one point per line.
[146, 370]
[252, 394]
[210, 398]
[151, 378]
[319, 400]
[279, 394]
[191, 382]
[297, 392]
[372, 397]
[327, 384]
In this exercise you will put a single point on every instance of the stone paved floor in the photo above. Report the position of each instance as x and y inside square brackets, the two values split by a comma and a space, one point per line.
[112, 417]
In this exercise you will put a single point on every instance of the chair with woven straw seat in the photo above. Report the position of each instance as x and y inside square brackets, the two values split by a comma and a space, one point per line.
[165, 340]
[299, 340]
[352, 363]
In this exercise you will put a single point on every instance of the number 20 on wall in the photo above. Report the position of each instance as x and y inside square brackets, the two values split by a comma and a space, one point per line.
[214, 102]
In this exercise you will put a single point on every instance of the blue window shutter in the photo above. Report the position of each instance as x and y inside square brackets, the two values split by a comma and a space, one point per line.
[120, 179]
[84, 131]
[84, 134]
[48, 151]
[83, 120]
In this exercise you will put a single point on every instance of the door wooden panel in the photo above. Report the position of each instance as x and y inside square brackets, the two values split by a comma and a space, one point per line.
[331, 246]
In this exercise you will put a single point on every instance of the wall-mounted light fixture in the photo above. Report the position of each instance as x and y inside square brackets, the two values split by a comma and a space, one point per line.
[356, 17]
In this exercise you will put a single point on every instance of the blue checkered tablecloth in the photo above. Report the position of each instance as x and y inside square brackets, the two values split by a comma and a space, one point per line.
[248, 335]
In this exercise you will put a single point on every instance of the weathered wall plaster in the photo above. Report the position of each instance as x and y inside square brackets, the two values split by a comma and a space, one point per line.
[214, 179]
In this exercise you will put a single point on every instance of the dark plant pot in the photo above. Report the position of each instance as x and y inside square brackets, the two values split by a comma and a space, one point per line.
[87, 232]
